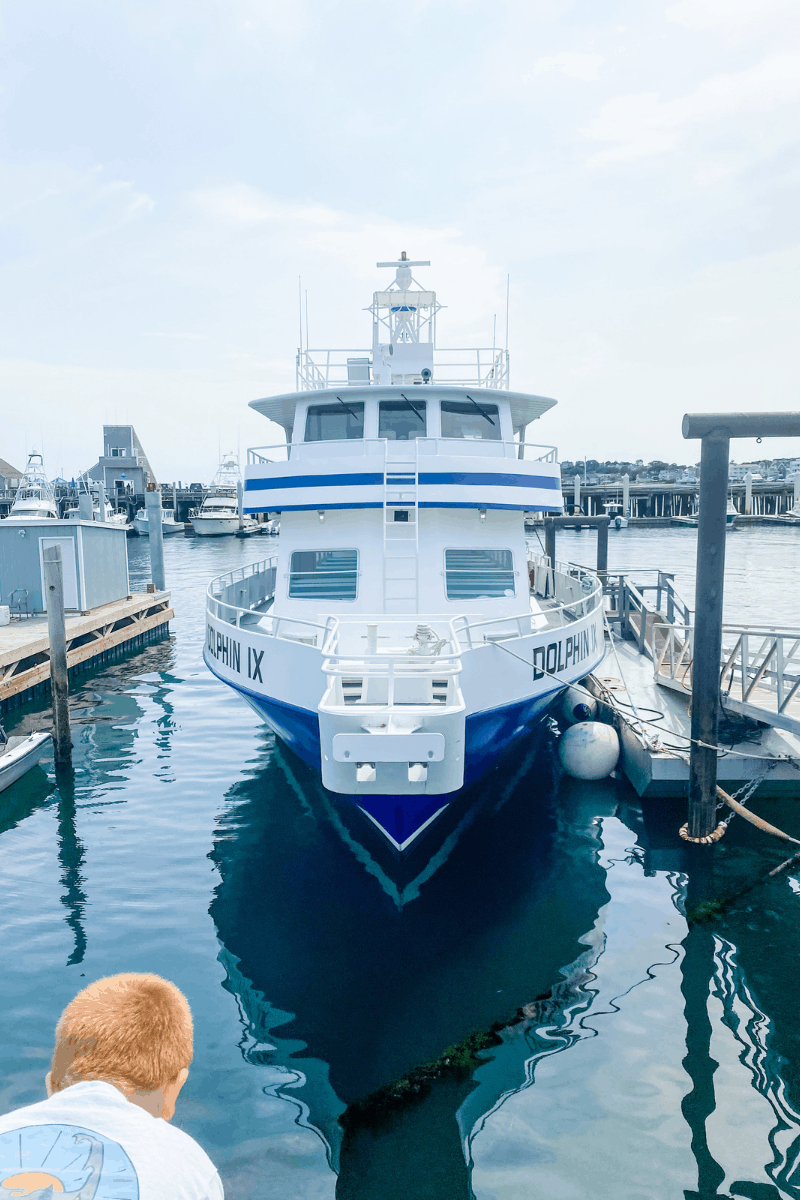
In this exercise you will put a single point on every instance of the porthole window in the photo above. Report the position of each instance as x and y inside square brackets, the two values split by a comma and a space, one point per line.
[479, 574]
[323, 574]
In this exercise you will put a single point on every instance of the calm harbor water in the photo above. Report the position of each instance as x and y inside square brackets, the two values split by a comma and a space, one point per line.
[654, 1059]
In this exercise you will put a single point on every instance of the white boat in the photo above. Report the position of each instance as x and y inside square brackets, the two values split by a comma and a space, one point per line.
[692, 520]
[118, 516]
[402, 634]
[109, 516]
[18, 755]
[168, 522]
[218, 515]
[618, 517]
[35, 499]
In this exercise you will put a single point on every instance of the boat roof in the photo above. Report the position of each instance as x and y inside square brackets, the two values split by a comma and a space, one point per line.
[281, 409]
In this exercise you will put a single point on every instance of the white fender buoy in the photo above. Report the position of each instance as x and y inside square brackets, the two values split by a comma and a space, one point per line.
[589, 750]
[578, 704]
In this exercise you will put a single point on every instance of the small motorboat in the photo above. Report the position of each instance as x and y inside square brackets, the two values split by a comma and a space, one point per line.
[692, 520]
[168, 522]
[18, 755]
[617, 515]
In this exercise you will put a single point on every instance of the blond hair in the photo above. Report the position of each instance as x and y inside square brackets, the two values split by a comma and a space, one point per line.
[132, 1030]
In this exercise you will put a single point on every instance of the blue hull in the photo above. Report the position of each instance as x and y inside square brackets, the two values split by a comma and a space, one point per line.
[487, 734]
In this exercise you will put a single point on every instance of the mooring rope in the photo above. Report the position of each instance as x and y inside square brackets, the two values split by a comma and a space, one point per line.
[722, 751]
[742, 811]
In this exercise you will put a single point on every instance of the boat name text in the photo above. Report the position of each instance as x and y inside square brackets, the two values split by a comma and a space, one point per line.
[228, 651]
[558, 656]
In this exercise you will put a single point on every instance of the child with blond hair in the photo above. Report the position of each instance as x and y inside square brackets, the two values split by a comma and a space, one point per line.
[122, 1055]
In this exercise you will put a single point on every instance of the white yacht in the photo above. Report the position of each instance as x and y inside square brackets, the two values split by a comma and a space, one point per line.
[168, 522]
[219, 513]
[35, 499]
[402, 634]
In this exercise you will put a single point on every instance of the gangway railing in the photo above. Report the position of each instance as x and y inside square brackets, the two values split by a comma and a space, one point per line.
[759, 675]
[634, 613]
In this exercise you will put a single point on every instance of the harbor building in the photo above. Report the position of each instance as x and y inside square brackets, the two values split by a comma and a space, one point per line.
[123, 468]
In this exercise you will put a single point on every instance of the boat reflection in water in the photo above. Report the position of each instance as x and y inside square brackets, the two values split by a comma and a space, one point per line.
[354, 978]
[350, 972]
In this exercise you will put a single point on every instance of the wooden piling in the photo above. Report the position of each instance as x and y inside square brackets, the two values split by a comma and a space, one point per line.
[57, 639]
[156, 535]
[715, 431]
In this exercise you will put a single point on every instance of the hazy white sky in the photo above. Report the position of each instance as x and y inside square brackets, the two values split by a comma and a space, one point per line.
[168, 169]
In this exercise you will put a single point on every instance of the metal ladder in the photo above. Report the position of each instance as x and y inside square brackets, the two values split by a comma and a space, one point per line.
[401, 540]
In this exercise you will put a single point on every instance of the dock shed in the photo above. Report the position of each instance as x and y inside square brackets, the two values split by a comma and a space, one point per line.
[94, 555]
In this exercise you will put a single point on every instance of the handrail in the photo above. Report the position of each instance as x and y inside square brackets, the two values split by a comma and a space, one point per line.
[361, 447]
[487, 367]
[762, 669]
[233, 613]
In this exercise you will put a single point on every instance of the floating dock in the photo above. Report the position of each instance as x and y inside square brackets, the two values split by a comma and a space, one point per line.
[91, 637]
[655, 752]
[646, 682]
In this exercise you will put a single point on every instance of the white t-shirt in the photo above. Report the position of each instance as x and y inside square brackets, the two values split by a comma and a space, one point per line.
[89, 1141]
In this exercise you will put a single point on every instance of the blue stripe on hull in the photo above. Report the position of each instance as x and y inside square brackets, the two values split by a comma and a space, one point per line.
[487, 734]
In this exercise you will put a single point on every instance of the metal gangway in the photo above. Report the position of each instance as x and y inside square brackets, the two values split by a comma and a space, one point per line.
[759, 670]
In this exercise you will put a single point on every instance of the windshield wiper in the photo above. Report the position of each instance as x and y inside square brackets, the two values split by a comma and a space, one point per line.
[414, 410]
[349, 410]
[486, 416]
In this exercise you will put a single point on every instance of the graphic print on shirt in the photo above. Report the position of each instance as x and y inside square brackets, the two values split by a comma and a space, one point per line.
[64, 1162]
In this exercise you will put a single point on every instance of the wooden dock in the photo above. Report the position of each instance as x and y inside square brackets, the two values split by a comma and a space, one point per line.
[24, 646]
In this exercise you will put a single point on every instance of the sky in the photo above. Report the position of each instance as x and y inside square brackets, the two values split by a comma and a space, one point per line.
[169, 170]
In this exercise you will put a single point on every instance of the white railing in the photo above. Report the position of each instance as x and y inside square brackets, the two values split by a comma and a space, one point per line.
[483, 366]
[759, 669]
[381, 674]
[428, 447]
[243, 598]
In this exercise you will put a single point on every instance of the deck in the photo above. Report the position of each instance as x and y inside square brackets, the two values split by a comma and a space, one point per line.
[25, 647]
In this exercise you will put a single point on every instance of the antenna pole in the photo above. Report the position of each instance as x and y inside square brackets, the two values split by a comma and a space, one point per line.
[306, 295]
[300, 314]
[507, 314]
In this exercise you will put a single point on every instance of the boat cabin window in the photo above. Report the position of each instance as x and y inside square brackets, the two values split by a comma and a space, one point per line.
[478, 574]
[323, 574]
[469, 419]
[401, 420]
[334, 422]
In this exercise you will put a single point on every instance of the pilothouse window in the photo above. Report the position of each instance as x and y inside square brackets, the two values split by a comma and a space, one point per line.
[469, 419]
[401, 420]
[478, 574]
[323, 574]
[334, 422]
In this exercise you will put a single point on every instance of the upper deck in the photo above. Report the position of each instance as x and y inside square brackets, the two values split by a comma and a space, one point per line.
[395, 432]
[431, 447]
